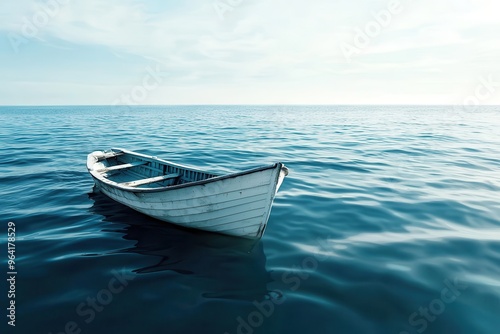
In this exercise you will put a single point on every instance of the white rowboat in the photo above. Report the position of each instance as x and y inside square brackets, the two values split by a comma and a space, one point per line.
[237, 204]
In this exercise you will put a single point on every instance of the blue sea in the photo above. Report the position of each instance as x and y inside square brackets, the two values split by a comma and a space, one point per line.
[389, 222]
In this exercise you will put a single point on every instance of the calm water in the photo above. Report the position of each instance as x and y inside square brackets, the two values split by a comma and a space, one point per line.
[389, 222]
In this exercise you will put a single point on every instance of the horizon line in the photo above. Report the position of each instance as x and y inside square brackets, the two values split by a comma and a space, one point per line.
[251, 104]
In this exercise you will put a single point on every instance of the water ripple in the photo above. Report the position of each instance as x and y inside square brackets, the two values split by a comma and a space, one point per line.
[383, 208]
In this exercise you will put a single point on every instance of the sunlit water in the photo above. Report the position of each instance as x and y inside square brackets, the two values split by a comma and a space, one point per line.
[389, 222]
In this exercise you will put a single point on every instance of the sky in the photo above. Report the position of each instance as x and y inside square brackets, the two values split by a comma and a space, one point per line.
[90, 52]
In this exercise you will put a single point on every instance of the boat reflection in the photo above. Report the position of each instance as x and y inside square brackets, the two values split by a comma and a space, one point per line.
[223, 266]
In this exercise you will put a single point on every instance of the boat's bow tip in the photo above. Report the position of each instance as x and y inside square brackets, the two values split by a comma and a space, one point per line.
[92, 158]
[284, 169]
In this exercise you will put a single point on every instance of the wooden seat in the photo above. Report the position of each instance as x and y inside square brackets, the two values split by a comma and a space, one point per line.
[149, 180]
[123, 166]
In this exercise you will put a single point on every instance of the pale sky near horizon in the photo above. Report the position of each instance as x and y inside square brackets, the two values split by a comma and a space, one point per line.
[85, 52]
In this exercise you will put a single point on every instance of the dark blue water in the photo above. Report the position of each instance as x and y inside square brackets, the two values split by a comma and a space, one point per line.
[389, 222]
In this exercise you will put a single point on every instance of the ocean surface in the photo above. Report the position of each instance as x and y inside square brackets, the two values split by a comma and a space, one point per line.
[389, 222]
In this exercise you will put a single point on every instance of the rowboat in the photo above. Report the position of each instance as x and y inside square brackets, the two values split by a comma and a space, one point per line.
[237, 204]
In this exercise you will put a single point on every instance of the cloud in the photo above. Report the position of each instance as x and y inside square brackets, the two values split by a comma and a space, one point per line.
[290, 47]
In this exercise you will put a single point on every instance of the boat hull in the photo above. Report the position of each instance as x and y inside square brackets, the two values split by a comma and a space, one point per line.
[237, 205]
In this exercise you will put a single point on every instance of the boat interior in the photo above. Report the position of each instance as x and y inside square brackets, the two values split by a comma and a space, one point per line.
[142, 172]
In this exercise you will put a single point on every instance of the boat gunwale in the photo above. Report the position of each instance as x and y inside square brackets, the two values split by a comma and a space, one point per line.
[99, 175]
